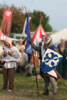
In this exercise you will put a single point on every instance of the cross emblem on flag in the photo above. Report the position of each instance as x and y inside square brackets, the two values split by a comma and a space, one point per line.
[50, 60]
[8, 13]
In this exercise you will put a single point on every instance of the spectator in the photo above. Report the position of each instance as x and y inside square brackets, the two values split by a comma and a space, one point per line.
[10, 56]
[20, 44]
[35, 59]
[13, 43]
[62, 67]
[24, 42]
[30, 67]
[22, 60]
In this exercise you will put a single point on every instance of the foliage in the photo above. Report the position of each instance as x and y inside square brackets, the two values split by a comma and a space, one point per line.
[44, 21]
[19, 16]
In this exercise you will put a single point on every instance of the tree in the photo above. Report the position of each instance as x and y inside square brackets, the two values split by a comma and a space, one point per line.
[18, 19]
[35, 21]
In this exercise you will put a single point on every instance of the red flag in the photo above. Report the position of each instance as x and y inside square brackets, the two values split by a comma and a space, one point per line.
[41, 15]
[6, 22]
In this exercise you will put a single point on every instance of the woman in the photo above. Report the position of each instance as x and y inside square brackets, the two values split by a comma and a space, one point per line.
[62, 67]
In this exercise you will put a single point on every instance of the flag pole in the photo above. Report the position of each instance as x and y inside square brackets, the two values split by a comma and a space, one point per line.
[35, 72]
[41, 17]
[59, 76]
[36, 75]
[34, 63]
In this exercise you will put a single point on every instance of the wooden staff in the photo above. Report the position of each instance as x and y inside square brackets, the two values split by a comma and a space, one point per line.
[35, 70]
[36, 75]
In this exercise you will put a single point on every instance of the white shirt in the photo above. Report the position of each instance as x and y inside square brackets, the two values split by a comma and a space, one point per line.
[10, 60]
[14, 57]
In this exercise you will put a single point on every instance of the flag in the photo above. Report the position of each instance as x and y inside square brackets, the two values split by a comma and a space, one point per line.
[38, 35]
[27, 31]
[53, 74]
[50, 60]
[41, 15]
[6, 22]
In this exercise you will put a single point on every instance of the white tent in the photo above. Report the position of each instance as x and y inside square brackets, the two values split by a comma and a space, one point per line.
[56, 38]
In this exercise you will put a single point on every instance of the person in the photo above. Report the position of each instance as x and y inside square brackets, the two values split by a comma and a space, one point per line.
[20, 44]
[62, 67]
[13, 43]
[22, 62]
[30, 67]
[10, 57]
[43, 45]
[35, 58]
[24, 42]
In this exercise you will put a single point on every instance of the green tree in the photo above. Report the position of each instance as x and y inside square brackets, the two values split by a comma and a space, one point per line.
[18, 19]
[35, 21]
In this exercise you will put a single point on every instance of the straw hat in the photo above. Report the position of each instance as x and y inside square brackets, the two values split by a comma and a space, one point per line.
[8, 41]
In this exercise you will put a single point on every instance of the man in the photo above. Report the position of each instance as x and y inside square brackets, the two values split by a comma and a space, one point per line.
[40, 48]
[43, 45]
[22, 60]
[10, 57]
[30, 67]
[20, 44]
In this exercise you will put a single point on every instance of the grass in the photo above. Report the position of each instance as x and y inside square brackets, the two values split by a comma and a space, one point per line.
[25, 89]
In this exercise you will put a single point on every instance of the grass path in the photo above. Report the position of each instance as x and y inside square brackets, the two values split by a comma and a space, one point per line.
[25, 89]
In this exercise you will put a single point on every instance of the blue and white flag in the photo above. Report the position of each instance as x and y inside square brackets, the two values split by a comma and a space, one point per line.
[50, 60]
[28, 46]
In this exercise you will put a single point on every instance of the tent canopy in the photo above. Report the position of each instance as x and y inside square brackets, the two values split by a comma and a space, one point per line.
[56, 38]
[38, 34]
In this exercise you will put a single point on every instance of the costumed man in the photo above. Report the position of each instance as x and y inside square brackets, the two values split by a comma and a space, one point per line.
[10, 57]
[43, 45]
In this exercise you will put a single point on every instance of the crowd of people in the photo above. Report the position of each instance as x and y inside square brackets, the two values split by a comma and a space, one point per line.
[14, 58]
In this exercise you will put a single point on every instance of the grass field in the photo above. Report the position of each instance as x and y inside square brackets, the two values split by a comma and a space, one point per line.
[25, 89]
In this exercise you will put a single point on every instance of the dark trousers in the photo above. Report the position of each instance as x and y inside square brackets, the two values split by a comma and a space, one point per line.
[20, 69]
[8, 76]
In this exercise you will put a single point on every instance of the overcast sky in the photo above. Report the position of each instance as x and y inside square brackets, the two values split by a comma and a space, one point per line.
[55, 9]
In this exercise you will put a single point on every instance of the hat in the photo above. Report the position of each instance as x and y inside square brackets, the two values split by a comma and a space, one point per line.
[22, 47]
[8, 41]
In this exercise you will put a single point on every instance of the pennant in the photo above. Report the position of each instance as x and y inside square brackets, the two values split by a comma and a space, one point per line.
[6, 22]
[41, 15]
[28, 46]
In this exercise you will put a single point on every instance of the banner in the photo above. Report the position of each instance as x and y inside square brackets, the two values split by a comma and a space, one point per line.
[6, 22]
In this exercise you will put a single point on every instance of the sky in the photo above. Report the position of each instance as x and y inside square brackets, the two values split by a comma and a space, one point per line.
[55, 9]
